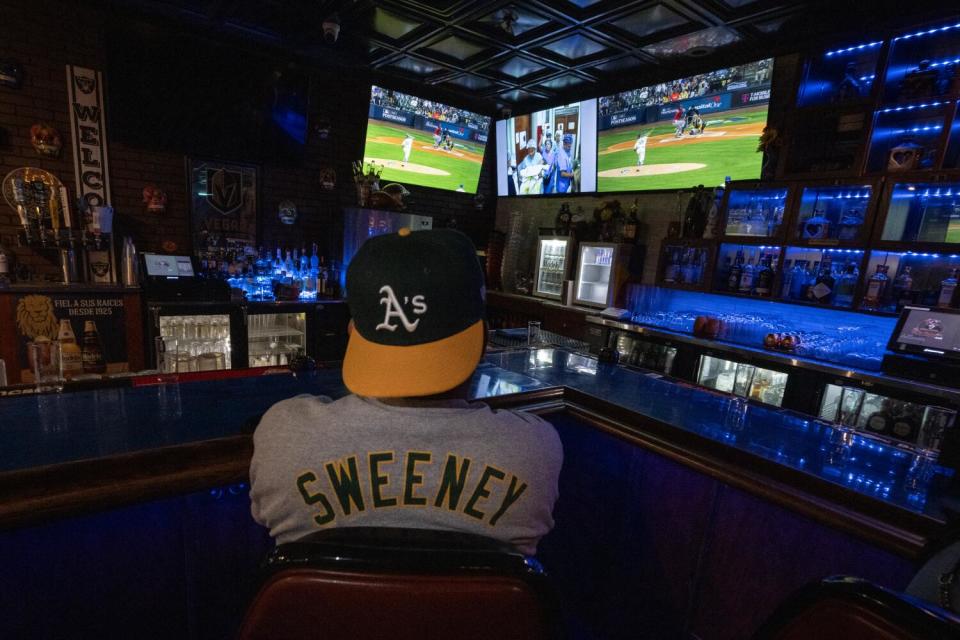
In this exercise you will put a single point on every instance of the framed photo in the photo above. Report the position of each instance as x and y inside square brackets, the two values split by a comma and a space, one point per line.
[224, 207]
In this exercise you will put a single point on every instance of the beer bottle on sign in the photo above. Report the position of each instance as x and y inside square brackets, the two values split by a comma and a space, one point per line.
[92, 352]
[69, 349]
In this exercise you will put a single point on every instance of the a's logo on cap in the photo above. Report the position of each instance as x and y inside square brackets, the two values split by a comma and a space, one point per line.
[395, 310]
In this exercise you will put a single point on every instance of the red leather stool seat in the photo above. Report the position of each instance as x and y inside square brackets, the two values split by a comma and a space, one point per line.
[364, 586]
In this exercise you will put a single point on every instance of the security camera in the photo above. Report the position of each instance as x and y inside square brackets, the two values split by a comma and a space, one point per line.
[331, 28]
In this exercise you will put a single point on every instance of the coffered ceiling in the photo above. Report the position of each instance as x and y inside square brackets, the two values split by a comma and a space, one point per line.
[524, 53]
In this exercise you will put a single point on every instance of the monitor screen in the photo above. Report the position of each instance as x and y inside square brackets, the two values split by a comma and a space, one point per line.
[930, 332]
[548, 152]
[697, 130]
[417, 141]
[163, 266]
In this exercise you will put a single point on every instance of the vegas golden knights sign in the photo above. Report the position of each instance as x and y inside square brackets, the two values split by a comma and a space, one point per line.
[91, 168]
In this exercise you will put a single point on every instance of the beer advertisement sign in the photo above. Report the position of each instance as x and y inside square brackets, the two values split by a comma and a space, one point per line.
[82, 334]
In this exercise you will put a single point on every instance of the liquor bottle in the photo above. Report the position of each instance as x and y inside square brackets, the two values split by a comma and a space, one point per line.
[764, 279]
[672, 271]
[689, 268]
[333, 280]
[631, 225]
[6, 265]
[787, 279]
[798, 280]
[747, 277]
[846, 285]
[733, 280]
[70, 354]
[324, 278]
[902, 286]
[948, 287]
[304, 261]
[92, 352]
[288, 265]
[876, 289]
[822, 289]
[314, 259]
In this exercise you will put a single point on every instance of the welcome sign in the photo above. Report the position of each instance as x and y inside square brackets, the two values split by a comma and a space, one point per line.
[92, 170]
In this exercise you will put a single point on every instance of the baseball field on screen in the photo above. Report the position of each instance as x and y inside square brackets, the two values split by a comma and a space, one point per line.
[428, 167]
[727, 147]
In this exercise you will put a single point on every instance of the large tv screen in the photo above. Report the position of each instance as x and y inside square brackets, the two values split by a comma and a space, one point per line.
[548, 152]
[417, 141]
[697, 130]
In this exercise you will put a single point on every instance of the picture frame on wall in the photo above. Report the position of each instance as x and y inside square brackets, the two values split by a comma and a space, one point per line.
[224, 207]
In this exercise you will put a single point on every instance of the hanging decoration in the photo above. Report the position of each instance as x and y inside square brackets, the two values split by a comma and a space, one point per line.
[46, 140]
[154, 198]
[288, 212]
[328, 178]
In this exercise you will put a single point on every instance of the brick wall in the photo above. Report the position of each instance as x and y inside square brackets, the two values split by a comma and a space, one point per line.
[46, 36]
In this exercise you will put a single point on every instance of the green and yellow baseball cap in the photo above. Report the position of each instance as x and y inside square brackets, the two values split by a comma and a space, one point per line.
[417, 302]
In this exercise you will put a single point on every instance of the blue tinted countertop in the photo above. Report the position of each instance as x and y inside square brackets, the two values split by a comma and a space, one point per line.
[51, 429]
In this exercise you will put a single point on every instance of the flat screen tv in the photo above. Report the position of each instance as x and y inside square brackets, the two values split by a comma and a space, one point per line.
[697, 130]
[417, 141]
[548, 152]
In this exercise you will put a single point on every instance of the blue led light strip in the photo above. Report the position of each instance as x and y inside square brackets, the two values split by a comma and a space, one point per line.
[859, 47]
[911, 107]
[928, 32]
[932, 127]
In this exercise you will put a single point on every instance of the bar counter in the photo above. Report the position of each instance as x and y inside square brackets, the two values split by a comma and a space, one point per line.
[65, 454]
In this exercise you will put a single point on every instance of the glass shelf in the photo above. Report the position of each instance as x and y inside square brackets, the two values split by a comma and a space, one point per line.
[923, 64]
[907, 138]
[923, 212]
[755, 213]
[829, 277]
[840, 76]
[738, 272]
[833, 214]
[683, 264]
[911, 278]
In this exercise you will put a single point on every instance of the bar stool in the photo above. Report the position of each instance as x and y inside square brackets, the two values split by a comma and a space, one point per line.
[361, 583]
[845, 608]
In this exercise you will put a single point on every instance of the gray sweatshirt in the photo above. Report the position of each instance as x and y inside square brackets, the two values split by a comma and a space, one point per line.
[362, 463]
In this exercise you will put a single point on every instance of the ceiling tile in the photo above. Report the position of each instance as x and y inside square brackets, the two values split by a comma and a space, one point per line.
[517, 67]
[470, 81]
[514, 20]
[772, 26]
[562, 82]
[515, 95]
[575, 46]
[697, 43]
[457, 47]
[392, 25]
[650, 20]
[618, 64]
[413, 65]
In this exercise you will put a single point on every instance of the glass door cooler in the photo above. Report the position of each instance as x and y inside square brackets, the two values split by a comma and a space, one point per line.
[742, 379]
[553, 255]
[278, 333]
[195, 336]
[602, 274]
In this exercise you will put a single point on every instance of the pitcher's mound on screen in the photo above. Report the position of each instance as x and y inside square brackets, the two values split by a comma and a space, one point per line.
[650, 170]
[412, 167]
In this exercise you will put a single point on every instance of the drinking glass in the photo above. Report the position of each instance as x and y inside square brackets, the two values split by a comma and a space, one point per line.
[47, 366]
[533, 333]
[936, 420]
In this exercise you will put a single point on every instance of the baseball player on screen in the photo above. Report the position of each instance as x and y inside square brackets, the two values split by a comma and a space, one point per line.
[641, 146]
[407, 145]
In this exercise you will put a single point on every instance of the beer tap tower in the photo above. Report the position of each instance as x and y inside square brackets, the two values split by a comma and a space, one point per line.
[48, 226]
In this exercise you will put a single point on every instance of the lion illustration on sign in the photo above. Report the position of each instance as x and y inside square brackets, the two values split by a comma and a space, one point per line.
[35, 317]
